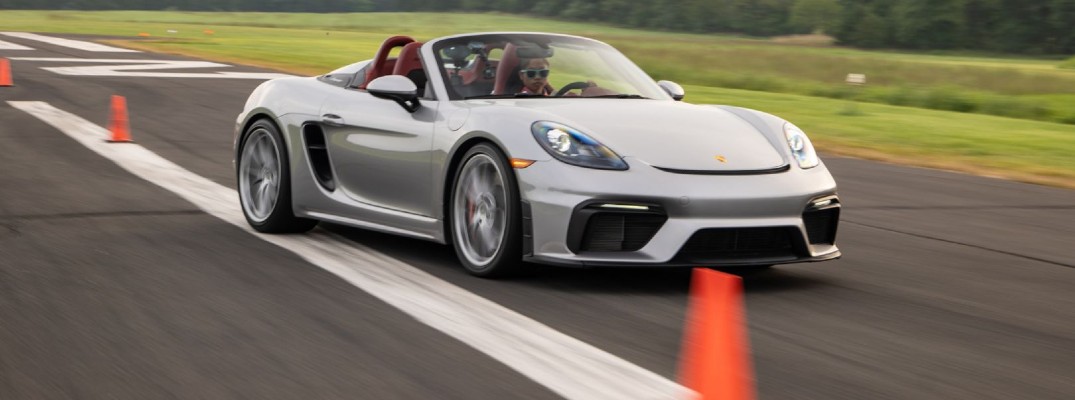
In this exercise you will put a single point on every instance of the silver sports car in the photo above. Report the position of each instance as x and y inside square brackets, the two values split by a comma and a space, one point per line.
[532, 147]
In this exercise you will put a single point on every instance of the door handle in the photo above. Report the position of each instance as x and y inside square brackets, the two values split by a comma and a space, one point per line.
[332, 120]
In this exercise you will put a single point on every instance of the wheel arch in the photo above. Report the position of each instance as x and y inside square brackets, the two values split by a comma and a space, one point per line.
[240, 136]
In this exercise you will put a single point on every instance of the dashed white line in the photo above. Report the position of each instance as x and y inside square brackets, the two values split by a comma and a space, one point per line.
[134, 68]
[13, 46]
[69, 43]
[565, 365]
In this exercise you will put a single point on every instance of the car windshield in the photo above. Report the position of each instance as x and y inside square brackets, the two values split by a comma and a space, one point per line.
[539, 65]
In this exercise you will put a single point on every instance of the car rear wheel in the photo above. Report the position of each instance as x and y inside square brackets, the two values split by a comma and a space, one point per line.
[265, 182]
[485, 220]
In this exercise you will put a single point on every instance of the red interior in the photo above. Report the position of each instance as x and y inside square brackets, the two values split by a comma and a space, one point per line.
[408, 59]
[508, 61]
[382, 65]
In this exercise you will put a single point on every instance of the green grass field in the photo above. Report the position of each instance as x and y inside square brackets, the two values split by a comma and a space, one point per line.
[1069, 64]
[802, 83]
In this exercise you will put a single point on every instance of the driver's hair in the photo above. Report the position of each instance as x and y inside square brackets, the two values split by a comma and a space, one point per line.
[523, 62]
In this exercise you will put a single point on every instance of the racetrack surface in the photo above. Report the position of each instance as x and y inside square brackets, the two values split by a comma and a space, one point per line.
[951, 287]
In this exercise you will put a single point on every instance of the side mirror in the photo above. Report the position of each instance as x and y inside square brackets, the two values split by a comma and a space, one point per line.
[673, 89]
[397, 88]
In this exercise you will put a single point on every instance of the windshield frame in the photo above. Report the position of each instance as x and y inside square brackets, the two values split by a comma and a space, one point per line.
[627, 69]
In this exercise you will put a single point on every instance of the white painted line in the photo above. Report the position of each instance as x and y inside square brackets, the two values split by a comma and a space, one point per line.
[12, 46]
[129, 68]
[565, 365]
[74, 44]
[110, 60]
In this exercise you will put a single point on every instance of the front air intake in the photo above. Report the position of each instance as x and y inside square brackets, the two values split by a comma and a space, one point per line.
[614, 227]
[821, 225]
[616, 231]
[821, 218]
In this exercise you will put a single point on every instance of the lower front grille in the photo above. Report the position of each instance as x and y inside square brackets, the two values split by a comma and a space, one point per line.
[739, 244]
[608, 231]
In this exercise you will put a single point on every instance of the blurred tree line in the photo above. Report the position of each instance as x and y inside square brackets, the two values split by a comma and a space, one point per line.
[1013, 26]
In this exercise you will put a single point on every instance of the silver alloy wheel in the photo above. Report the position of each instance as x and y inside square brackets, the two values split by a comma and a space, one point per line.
[259, 175]
[479, 212]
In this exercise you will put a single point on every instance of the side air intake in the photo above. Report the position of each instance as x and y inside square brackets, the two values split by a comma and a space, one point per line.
[317, 153]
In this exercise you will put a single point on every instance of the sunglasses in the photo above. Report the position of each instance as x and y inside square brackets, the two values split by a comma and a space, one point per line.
[531, 73]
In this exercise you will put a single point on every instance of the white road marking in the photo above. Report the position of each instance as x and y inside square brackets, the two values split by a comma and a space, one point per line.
[12, 46]
[74, 44]
[565, 365]
[129, 67]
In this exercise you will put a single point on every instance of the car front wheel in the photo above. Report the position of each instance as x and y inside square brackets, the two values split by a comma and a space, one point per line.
[485, 216]
[265, 182]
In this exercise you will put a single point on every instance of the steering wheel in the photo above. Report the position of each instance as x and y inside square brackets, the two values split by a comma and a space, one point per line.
[571, 86]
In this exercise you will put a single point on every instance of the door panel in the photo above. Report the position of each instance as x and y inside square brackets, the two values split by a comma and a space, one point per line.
[380, 152]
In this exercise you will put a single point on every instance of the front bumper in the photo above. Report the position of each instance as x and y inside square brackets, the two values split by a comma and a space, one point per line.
[708, 220]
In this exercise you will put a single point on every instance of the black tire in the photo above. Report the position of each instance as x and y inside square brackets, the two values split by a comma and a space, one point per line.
[273, 215]
[506, 260]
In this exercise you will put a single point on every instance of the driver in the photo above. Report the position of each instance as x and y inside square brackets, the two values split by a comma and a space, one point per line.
[534, 73]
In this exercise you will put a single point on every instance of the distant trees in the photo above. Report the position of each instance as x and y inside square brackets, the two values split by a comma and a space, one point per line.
[929, 24]
[808, 16]
[1019, 26]
[1016, 26]
[1063, 24]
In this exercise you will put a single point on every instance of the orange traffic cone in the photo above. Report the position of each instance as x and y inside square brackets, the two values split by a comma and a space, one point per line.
[715, 357]
[5, 73]
[119, 125]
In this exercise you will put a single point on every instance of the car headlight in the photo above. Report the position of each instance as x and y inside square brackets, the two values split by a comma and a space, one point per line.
[800, 146]
[574, 147]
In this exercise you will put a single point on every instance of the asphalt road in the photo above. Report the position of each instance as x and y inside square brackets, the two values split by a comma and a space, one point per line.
[951, 287]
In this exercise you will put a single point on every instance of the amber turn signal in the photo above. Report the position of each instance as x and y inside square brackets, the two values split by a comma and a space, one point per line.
[520, 163]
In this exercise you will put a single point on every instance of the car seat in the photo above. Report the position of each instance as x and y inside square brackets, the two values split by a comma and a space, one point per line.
[507, 72]
[382, 65]
[409, 64]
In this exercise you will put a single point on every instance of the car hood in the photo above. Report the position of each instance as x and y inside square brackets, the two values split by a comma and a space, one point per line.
[665, 134]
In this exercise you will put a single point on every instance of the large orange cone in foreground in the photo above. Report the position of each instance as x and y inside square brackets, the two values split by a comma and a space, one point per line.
[5, 72]
[119, 125]
[715, 357]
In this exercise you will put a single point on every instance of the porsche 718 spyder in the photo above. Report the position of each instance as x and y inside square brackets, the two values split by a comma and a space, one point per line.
[532, 147]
